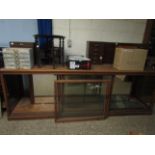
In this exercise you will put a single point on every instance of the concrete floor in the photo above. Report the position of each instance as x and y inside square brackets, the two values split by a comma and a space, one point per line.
[116, 125]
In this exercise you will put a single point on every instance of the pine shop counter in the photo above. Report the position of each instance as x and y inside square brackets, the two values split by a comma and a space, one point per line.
[79, 94]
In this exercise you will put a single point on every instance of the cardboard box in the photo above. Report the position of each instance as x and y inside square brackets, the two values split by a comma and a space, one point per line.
[121, 87]
[130, 59]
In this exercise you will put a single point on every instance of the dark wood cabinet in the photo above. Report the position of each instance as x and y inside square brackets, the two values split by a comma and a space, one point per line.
[49, 49]
[100, 52]
[103, 52]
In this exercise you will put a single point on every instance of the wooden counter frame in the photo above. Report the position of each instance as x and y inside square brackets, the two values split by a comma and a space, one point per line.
[62, 71]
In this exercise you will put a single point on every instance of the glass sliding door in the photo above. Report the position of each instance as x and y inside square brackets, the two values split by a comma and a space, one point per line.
[81, 99]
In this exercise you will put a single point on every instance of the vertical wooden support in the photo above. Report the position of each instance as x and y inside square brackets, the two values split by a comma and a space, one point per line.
[53, 56]
[31, 88]
[5, 93]
[108, 96]
[56, 99]
[62, 52]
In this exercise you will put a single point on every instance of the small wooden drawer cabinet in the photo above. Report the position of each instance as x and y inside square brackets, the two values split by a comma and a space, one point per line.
[100, 52]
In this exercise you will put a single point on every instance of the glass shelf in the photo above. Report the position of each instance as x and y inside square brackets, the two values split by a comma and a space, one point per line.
[133, 96]
[125, 101]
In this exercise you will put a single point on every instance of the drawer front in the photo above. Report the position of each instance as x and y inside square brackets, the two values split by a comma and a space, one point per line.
[101, 52]
[95, 52]
[97, 59]
[95, 44]
[108, 54]
[96, 47]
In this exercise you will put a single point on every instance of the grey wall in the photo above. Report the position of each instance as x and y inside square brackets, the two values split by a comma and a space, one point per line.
[17, 30]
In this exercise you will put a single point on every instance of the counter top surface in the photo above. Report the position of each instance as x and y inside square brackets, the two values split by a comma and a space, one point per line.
[62, 70]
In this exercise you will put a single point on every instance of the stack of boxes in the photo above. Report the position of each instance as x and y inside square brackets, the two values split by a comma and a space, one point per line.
[15, 58]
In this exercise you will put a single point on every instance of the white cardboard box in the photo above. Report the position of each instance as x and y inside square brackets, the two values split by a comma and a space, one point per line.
[18, 58]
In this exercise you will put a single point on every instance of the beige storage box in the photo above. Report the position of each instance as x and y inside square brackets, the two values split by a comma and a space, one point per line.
[121, 87]
[130, 59]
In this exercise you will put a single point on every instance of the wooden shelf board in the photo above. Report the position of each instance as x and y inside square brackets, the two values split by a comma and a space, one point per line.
[129, 112]
[43, 108]
[63, 70]
[86, 118]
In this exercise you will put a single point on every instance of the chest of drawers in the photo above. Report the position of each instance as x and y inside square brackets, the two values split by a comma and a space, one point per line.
[100, 52]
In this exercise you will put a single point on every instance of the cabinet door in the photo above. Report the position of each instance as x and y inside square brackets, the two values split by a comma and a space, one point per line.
[81, 99]
[101, 52]
[108, 53]
[95, 52]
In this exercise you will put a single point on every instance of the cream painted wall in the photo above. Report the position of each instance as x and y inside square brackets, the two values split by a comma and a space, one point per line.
[112, 30]
[82, 30]
[44, 85]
